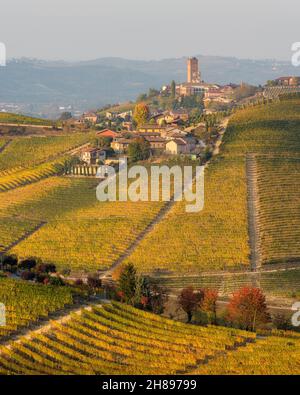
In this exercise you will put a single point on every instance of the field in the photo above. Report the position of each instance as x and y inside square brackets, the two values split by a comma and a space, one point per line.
[23, 119]
[23, 152]
[279, 203]
[117, 339]
[80, 233]
[274, 355]
[26, 302]
[217, 237]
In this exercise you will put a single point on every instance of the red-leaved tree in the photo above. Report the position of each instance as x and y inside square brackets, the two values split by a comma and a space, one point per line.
[248, 308]
[189, 300]
[209, 304]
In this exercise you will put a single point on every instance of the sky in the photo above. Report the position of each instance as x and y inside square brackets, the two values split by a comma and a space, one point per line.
[149, 29]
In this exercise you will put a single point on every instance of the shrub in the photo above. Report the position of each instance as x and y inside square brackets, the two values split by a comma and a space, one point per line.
[8, 262]
[94, 282]
[27, 264]
[27, 275]
[46, 268]
[58, 281]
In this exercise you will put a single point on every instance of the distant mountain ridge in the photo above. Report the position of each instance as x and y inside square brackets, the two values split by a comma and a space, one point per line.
[41, 87]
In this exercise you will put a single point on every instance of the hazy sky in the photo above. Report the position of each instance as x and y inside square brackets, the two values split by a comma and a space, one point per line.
[149, 29]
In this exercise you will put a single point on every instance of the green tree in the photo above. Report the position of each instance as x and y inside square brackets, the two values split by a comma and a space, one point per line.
[141, 113]
[173, 89]
[139, 149]
[128, 283]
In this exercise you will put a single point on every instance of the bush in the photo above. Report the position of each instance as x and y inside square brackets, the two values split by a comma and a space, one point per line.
[27, 275]
[27, 264]
[58, 281]
[94, 282]
[41, 277]
[46, 268]
[9, 262]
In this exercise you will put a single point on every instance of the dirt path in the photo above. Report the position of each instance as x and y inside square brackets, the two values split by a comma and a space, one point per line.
[22, 238]
[253, 212]
[161, 214]
[5, 145]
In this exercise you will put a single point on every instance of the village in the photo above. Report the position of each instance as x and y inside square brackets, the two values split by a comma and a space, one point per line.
[156, 133]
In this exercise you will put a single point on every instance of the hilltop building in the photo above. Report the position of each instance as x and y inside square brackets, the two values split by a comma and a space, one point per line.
[193, 73]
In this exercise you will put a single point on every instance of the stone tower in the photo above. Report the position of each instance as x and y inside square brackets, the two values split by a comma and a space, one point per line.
[193, 74]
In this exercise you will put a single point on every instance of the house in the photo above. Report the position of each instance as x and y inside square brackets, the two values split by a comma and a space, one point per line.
[287, 81]
[151, 128]
[127, 125]
[92, 156]
[156, 142]
[180, 114]
[147, 134]
[120, 145]
[172, 133]
[90, 117]
[179, 146]
[107, 133]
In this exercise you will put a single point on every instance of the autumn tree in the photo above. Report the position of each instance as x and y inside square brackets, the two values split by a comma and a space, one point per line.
[189, 301]
[209, 304]
[141, 113]
[248, 308]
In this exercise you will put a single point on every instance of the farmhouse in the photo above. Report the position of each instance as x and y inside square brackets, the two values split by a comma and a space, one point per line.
[92, 156]
[120, 145]
[90, 117]
[150, 128]
[156, 142]
[179, 146]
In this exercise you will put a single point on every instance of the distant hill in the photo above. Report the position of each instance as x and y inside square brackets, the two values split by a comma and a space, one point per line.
[41, 87]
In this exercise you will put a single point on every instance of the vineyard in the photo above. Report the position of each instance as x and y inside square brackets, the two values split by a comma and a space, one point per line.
[279, 202]
[24, 152]
[23, 119]
[274, 355]
[26, 302]
[217, 237]
[118, 339]
[80, 233]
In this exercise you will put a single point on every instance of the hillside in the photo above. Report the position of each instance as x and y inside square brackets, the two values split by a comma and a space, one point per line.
[9, 118]
[41, 87]
[217, 238]
[118, 339]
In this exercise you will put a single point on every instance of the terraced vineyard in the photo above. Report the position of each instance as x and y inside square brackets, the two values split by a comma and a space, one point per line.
[23, 119]
[23, 176]
[217, 238]
[26, 302]
[280, 284]
[81, 233]
[24, 152]
[117, 339]
[279, 213]
[274, 355]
